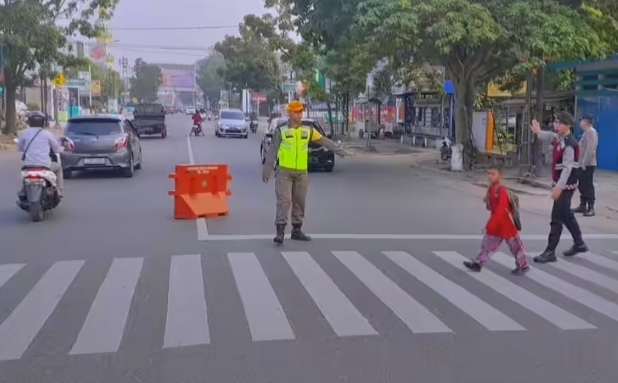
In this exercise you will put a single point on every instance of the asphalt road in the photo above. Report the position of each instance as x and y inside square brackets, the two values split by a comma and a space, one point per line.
[111, 289]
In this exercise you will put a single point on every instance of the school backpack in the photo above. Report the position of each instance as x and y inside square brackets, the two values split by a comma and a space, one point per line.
[513, 206]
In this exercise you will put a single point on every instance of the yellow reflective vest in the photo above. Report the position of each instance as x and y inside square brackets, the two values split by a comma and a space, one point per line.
[294, 148]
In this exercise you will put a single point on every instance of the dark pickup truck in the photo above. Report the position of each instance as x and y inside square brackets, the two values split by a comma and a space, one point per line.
[149, 119]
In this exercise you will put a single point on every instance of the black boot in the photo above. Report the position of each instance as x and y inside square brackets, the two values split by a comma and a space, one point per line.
[280, 233]
[297, 233]
[590, 210]
[576, 249]
[473, 266]
[546, 257]
[582, 208]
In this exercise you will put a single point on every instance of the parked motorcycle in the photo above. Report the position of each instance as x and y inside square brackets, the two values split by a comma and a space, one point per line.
[446, 150]
[39, 192]
[253, 126]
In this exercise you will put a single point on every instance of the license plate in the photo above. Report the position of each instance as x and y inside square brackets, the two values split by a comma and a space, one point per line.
[147, 130]
[94, 161]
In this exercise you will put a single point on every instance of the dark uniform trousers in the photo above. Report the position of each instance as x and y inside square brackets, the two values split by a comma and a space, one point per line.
[586, 185]
[561, 214]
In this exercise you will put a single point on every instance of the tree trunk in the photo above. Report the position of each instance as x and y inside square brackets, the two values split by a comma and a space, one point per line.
[465, 94]
[330, 117]
[10, 96]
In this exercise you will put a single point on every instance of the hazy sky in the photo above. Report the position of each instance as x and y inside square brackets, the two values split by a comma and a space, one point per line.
[157, 45]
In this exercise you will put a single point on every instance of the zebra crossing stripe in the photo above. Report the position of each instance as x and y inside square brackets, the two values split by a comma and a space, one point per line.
[572, 292]
[586, 274]
[601, 260]
[20, 328]
[186, 323]
[546, 310]
[340, 313]
[265, 315]
[412, 313]
[104, 326]
[477, 309]
[7, 272]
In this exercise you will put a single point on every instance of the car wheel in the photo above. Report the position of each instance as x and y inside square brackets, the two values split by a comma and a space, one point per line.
[138, 166]
[329, 168]
[246, 135]
[67, 174]
[164, 134]
[130, 171]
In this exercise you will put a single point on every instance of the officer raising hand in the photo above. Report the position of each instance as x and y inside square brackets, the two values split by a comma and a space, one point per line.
[290, 147]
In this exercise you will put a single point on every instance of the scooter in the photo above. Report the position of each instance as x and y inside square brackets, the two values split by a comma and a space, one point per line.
[446, 150]
[39, 192]
[253, 126]
[196, 130]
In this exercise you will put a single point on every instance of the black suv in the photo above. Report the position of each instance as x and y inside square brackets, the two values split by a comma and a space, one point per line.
[320, 158]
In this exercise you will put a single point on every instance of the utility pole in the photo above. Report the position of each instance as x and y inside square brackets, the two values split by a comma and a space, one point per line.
[124, 65]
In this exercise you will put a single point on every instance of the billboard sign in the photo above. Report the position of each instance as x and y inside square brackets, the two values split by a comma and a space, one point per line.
[178, 78]
[258, 97]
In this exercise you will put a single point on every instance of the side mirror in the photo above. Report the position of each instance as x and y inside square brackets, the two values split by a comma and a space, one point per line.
[269, 135]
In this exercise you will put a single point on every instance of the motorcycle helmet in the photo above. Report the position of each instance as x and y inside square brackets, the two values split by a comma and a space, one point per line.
[36, 119]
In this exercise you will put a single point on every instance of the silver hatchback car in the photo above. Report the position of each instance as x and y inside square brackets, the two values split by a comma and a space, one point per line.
[101, 142]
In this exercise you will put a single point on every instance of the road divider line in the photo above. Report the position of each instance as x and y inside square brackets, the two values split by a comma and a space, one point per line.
[265, 315]
[200, 223]
[412, 313]
[7, 272]
[104, 326]
[446, 237]
[186, 323]
[20, 328]
[479, 310]
[339, 312]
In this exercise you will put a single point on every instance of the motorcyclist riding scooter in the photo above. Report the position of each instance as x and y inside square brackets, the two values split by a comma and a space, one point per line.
[197, 124]
[253, 125]
[40, 150]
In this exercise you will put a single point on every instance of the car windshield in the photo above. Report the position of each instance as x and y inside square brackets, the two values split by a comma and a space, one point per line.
[230, 115]
[94, 127]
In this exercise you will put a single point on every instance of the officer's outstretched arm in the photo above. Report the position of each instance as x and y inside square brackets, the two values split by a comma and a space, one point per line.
[272, 154]
[328, 144]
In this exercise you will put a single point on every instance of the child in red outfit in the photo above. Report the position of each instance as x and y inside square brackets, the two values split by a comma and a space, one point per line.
[500, 227]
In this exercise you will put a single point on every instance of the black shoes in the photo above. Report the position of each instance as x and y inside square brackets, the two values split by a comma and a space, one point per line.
[587, 208]
[476, 267]
[298, 235]
[550, 256]
[280, 233]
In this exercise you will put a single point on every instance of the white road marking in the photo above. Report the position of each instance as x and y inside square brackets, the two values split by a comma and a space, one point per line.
[411, 312]
[201, 224]
[339, 312]
[479, 310]
[20, 328]
[7, 272]
[265, 315]
[446, 237]
[546, 310]
[186, 323]
[104, 326]
[575, 293]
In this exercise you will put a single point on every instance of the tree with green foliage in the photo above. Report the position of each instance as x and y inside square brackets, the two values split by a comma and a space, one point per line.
[30, 39]
[209, 77]
[146, 82]
[253, 60]
[475, 41]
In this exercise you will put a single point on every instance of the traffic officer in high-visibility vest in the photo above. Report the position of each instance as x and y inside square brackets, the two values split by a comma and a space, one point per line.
[290, 146]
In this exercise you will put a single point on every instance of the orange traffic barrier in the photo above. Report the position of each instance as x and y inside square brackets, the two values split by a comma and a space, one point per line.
[200, 191]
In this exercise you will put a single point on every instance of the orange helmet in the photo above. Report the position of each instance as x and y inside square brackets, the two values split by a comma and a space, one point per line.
[296, 107]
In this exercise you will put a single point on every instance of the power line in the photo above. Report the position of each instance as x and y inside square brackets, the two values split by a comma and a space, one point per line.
[173, 28]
